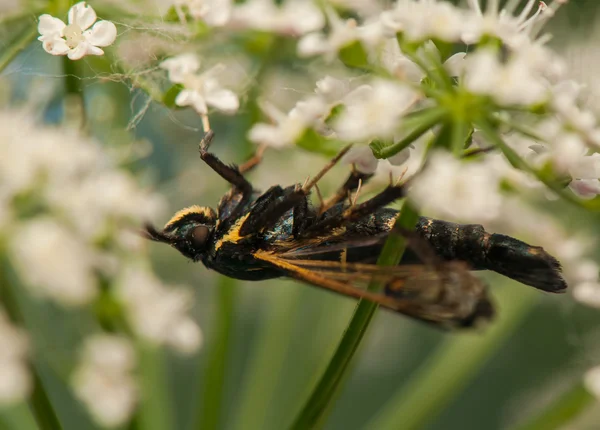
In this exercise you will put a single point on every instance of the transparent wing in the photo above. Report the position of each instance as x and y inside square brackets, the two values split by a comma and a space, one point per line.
[445, 294]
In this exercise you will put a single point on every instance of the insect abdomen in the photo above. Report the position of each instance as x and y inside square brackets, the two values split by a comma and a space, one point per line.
[530, 265]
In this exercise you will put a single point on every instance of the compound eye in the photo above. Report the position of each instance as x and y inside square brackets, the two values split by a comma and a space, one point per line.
[200, 235]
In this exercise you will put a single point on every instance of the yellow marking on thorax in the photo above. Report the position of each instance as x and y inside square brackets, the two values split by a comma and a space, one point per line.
[206, 211]
[233, 235]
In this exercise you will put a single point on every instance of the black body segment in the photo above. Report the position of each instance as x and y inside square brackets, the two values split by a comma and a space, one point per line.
[258, 236]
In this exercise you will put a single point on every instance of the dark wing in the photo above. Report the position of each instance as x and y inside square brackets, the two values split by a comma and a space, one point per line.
[446, 294]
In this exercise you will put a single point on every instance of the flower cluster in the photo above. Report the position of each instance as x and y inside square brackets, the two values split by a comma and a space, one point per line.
[69, 221]
[15, 379]
[104, 379]
[157, 313]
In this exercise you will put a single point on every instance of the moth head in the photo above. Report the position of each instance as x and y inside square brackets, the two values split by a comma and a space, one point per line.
[189, 231]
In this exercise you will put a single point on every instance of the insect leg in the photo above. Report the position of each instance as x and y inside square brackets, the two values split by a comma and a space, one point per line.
[353, 213]
[355, 179]
[250, 164]
[230, 173]
[272, 206]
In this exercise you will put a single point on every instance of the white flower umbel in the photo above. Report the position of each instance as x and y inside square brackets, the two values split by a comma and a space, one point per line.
[199, 90]
[215, 13]
[591, 381]
[374, 111]
[422, 20]
[458, 190]
[15, 378]
[405, 69]
[104, 381]
[341, 33]
[502, 24]
[291, 17]
[158, 313]
[80, 37]
[54, 261]
[64, 208]
[514, 82]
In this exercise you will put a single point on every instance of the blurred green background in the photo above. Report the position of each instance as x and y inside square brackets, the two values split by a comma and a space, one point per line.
[282, 333]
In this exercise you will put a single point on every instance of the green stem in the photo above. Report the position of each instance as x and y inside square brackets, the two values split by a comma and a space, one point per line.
[155, 408]
[39, 401]
[9, 53]
[314, 411]
[213, 376]
[426, 120]
[563, 410]
[439, 380]
[74, 105]
[515, 160]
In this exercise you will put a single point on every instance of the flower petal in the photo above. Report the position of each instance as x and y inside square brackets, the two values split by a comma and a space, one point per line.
[49, 25]
[103, 33]
[362, 158]
[79, 51]
[180, 66]
[56, 46]
[455, 64]
[82, 15]
[192, 98]
[224, 100]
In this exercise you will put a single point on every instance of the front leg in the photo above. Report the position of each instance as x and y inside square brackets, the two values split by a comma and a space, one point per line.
[230, 173]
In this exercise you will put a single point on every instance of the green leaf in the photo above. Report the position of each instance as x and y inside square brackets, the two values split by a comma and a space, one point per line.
[563, 410]
[314, 142]
[171, 94]
[354, 55]
[213, 376]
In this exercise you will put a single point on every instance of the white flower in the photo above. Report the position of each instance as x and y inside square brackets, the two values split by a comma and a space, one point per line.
[288, 128]
[15, 378]
[402, 67]
[341, 34]
[502, 24]
[515, 82]
[291, 17]
[374, 111]
[200, 90]
[54, 262]
[158, 313]
[591, 380]
[80, 37]
[421, 20]
[104, 382]
[458, 190]
[215, 13]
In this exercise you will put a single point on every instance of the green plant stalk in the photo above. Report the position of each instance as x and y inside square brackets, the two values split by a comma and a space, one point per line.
[74, 114]
[449, 369]
[39, 402]
[213, 376]
[427, 120]
[314, 412]
[9, 53]
[17, 417]
[267, 360]
[154, 412]
[563, 410]
[515, 160]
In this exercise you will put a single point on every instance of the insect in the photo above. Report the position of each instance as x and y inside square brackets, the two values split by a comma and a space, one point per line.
[257, 236]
